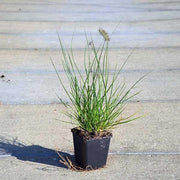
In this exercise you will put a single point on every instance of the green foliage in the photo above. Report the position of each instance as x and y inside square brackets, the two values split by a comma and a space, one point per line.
[97, 98]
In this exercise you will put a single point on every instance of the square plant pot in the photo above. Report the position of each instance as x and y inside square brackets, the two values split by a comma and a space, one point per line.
[91, 153]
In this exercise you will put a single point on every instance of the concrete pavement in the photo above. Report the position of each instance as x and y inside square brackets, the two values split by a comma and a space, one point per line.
[147, 148]
[30, 133]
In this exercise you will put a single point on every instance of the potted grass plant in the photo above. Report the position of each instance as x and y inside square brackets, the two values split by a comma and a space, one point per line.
[97, 102]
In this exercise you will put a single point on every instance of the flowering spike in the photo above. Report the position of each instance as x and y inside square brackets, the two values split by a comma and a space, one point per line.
[104, 34]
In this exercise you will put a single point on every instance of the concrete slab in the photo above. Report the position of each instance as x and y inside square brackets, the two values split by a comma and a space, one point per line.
[29, 134]
[41, 87]
[165, 27]
[20, 61]
[42, 125]
[50, 40]
[119, 167]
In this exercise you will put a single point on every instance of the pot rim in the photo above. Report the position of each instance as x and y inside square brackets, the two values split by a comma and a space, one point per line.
[109, 135]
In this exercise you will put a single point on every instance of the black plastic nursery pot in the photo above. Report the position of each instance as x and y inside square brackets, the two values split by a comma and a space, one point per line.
[91, 153]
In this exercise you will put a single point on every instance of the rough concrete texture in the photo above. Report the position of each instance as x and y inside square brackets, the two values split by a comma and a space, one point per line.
[119, 167]
[42, 125]
[144, 149]
[30, 118]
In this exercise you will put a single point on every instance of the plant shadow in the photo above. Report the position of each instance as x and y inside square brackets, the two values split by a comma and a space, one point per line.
[33, 153]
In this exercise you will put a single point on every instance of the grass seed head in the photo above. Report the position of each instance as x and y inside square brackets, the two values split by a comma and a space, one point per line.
[104, 34]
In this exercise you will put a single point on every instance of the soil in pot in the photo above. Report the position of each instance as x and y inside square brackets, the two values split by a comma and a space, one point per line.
[91, 150]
